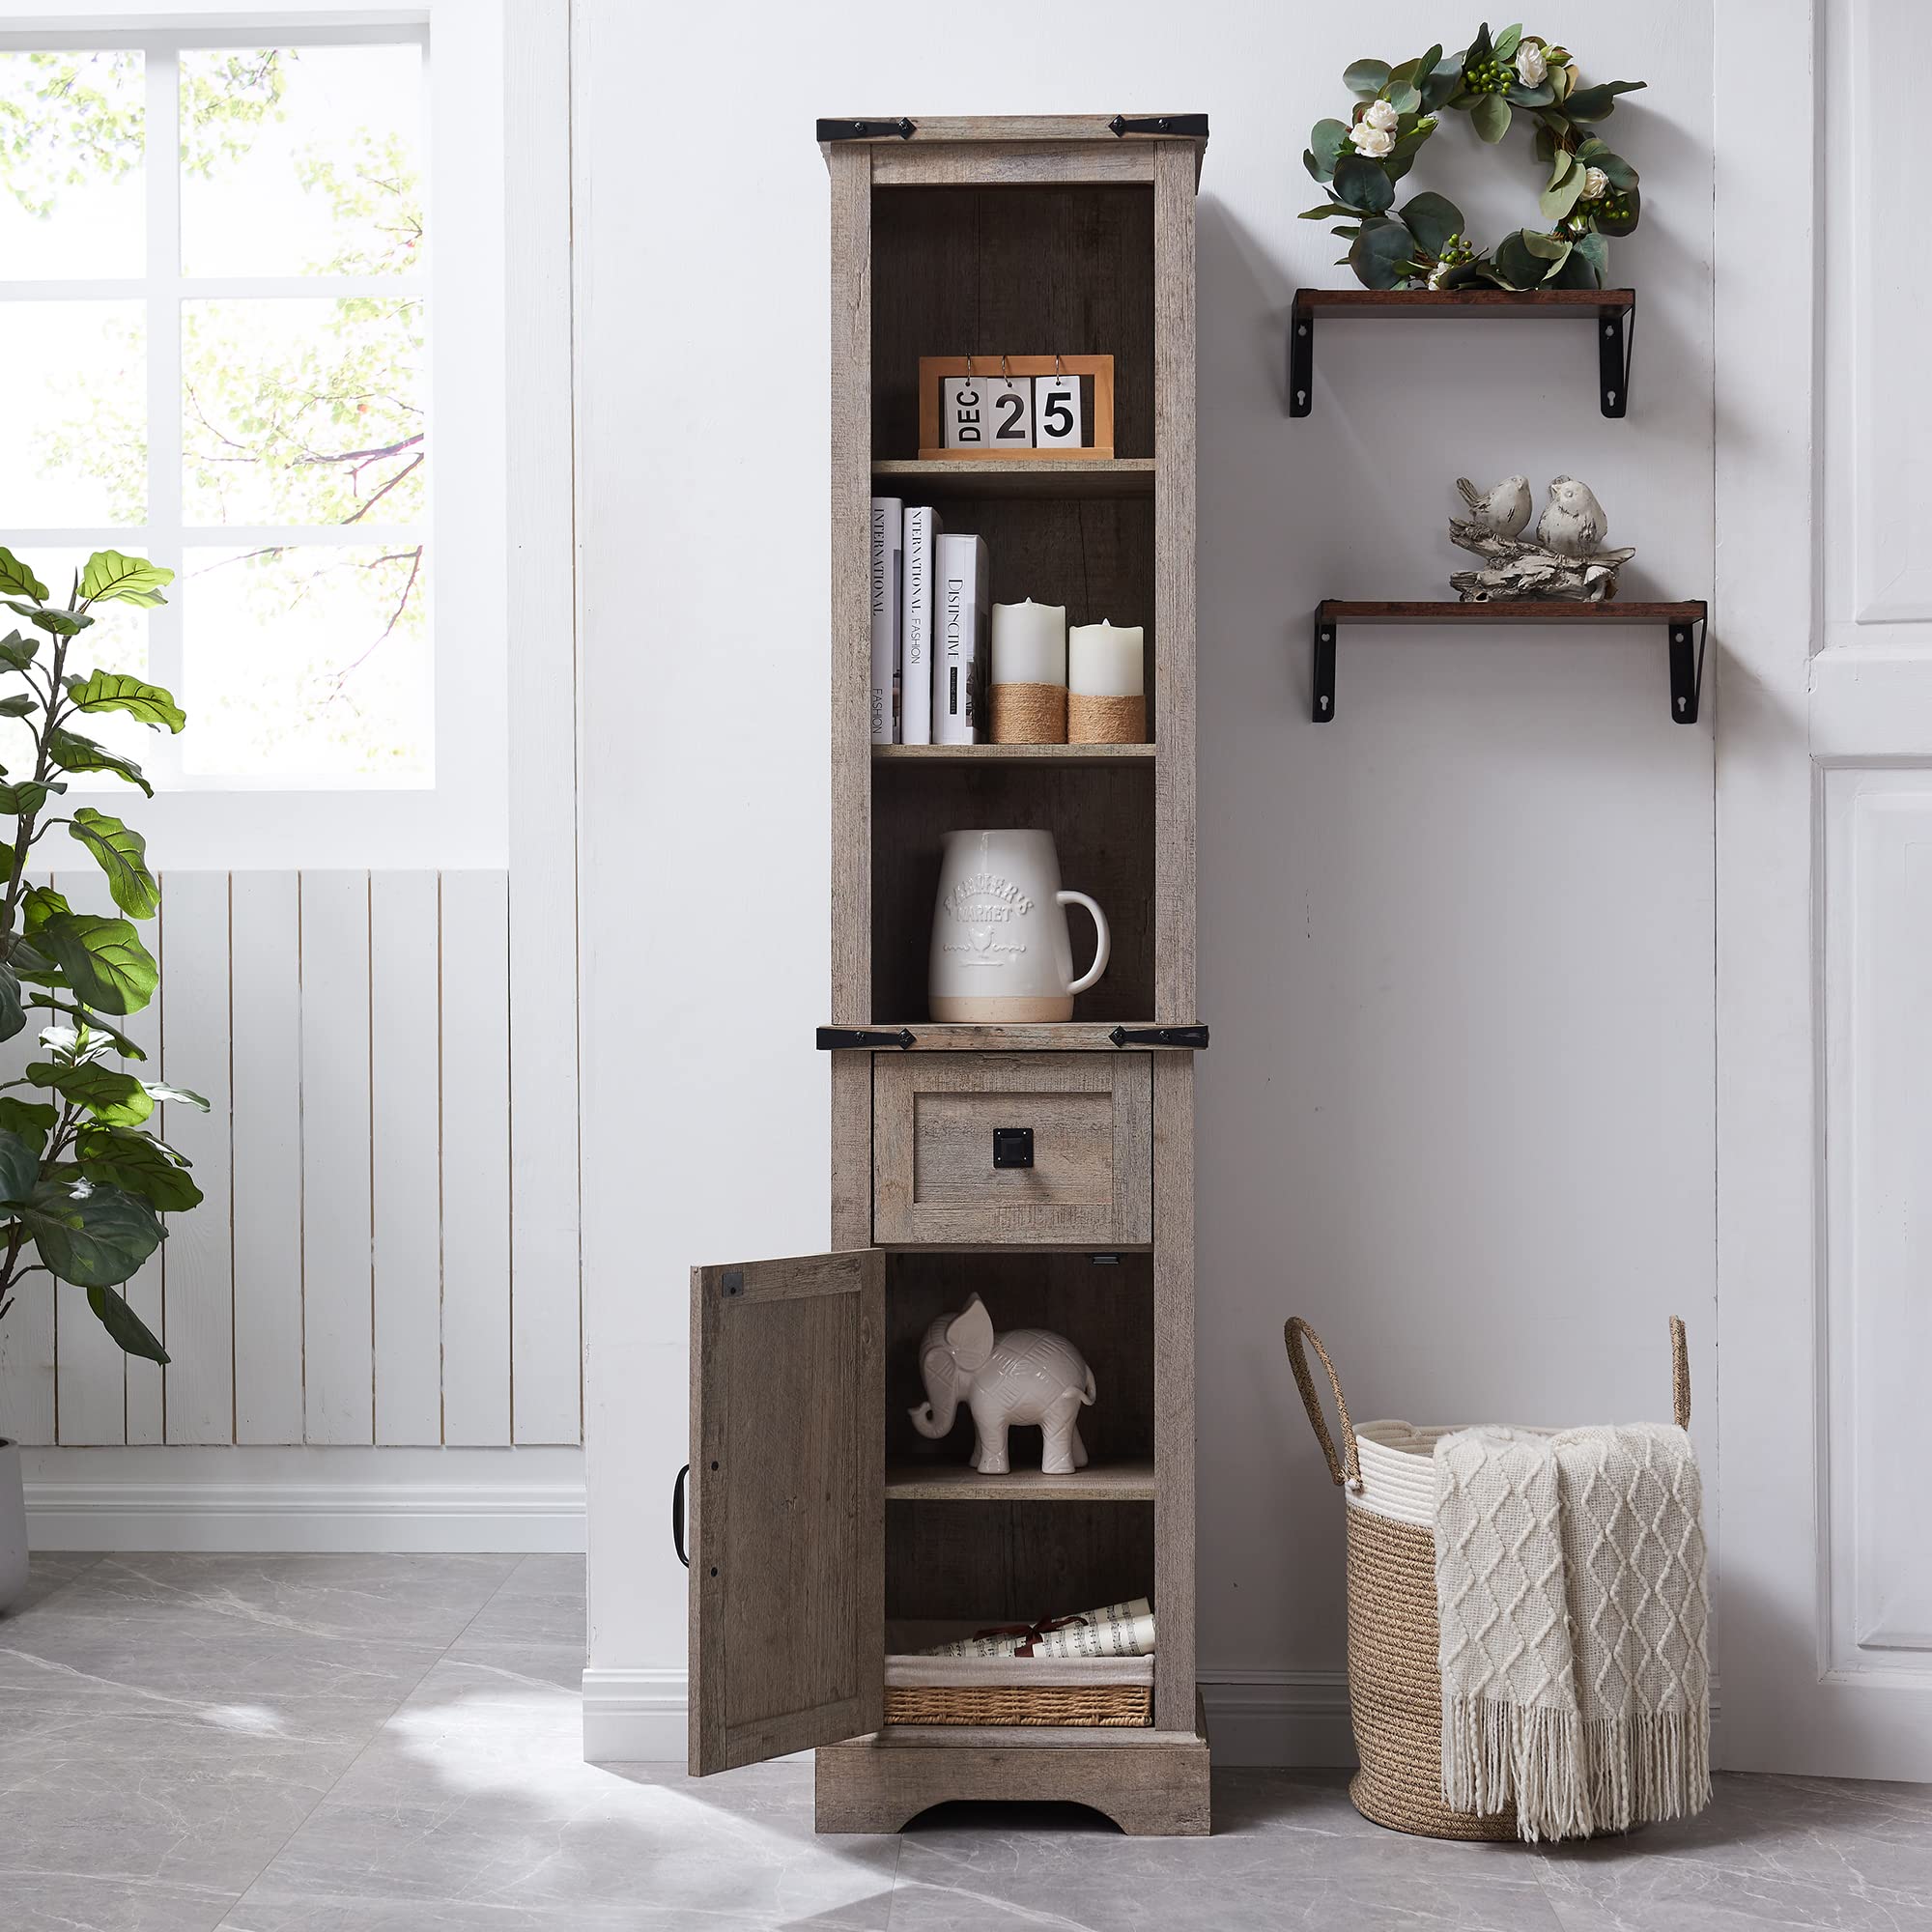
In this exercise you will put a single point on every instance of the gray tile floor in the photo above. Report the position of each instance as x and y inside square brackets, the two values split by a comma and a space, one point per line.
[290, 1744]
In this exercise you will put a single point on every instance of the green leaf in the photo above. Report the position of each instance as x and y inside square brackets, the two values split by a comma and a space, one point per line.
[108, 576]
[1599, 102]
[1380, 254]
[110, 691]
[1440, 87]
[99, 1027]
[137, 1164]
[1326, 143]
[18, 649]
[1362, 184]
[1608, 223]
[1561, 196]
[1508, 40]
[1595, 253]
[178, 1097]
[113, 1097]
[19, 801]
[1432, 220]
[19, 1166]
[1325, 212]
[40, 904]
[1539, 95]
[1480, 48]
[1366, 78]
[1618, 171]
[75, 753]
[59, 623]
[1491, 117]
[127, 1329]
[20, 704]
[17, 580]
[123, 855]
[13, 1013]
[1405, 100]
[32, 1119]
[103, 959]
[1519, 264]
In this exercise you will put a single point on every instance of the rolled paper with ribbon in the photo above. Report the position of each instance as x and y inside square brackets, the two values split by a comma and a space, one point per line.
[1119, 1630]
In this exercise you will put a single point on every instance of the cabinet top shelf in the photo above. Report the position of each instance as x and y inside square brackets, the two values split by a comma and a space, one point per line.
[1037, 476]
[1125, 1481]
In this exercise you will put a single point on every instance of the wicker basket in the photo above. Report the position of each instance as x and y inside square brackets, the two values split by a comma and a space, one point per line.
[1019, 1704]
[1395, 1685]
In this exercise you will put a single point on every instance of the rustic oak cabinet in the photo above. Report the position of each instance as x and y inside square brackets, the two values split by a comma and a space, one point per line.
[827, 1535]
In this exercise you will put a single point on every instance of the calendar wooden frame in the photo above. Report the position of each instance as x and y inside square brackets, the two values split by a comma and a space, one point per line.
[934, 369]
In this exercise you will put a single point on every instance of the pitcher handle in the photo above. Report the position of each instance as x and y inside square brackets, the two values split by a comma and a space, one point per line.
[1103, 942]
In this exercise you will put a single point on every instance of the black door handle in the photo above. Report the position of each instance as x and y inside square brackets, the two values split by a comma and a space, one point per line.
[677, 1516]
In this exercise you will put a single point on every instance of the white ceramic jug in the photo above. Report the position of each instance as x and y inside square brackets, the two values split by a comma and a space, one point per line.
[1000, 946]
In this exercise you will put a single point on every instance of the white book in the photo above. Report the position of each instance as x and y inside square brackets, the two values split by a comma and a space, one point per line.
[916, 629]
[965, 627]
[888, 552]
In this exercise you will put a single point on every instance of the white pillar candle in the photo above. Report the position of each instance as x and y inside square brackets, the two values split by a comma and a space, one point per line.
[1029, 644]
[1103, 662]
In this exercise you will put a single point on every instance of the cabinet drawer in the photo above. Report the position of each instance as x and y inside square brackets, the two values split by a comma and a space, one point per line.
[1074, 1160]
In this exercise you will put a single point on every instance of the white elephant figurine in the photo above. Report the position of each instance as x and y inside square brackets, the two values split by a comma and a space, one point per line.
[1026, 1376]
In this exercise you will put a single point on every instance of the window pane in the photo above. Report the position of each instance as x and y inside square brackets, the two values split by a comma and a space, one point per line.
[310, 660]
[301, 160]
[71, 162]
[74, 433]
[302, 412]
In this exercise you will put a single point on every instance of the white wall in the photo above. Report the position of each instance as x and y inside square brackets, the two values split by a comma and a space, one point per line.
[1456, 946]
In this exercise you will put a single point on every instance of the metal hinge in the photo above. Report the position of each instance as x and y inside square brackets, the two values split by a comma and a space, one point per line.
[867, 130]
[1158, 123]
[1165, 1036]
[832, 1040]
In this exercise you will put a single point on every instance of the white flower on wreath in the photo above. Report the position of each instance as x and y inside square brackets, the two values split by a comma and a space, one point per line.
[1375, 142]
[1531, 69]
[1379, 114]
[1596, 183]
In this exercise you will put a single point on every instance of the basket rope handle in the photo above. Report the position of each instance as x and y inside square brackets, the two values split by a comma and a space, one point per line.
[1347, 1472]
[1680, 1374]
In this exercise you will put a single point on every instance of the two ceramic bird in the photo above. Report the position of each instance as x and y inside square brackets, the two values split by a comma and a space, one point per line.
[1572, 525]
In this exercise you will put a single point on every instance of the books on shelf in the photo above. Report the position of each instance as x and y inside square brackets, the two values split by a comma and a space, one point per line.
[917, 625]
[965, 627]
[888, 554]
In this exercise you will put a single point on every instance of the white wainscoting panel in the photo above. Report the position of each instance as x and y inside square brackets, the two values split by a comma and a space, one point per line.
[1878, 907]
[351, 1278]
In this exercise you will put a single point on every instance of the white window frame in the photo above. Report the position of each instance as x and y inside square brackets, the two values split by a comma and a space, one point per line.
[460, 818]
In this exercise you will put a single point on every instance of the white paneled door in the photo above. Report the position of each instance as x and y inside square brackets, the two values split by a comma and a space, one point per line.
[350, 1277]
[1825, 904]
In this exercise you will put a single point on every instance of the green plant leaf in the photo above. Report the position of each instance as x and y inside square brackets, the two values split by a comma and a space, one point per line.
[99, 1027]
[75, 753]
[19, 801]
[13, 1011]
[1363, 185]
[1595, 253]
[41, 903]
[1618, 171]
[1539, 95]
[1325, 212]
[17, 580]
[1625, 223]
[18, 704]
[1599, 102]
[109, 577]
[128, 1330]
[18, 649]
[1440, 87]
[1366, 78]
[32, 1119]
[1558, 200]
[1515, 266]
[1381, 253]
[1491, 117]
[115, 1099]
[123, 855]
[58, 623]
[110, 691]
[103, 959]
[19, 1165]
[178, 1097]
[1406, 99]
[138, 1164]
[1325, 144]
[1508, 40]
[1432, 220]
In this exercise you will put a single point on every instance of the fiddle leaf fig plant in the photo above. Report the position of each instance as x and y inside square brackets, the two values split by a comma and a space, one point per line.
[84, 1183]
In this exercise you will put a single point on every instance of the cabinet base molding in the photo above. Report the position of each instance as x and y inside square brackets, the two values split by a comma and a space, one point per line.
[1149, 1788]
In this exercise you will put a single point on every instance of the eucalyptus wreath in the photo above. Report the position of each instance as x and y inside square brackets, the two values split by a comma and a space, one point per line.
[1591, 192]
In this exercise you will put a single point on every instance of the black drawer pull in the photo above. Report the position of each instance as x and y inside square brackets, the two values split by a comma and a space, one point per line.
[1013, 1147]
[677, 1514]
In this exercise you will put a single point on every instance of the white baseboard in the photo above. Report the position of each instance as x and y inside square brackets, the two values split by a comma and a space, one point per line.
[633, 1717]
[302, 1499]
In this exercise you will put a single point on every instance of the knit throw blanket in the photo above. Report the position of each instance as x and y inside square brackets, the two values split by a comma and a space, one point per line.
[1570, 1584]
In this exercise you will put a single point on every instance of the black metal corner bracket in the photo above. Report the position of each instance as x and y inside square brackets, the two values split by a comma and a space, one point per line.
[1300, 363]
[1194, 1036]
[1615, 335]
[833, 1040]
[1187, 124]
[1321, 692]
[1687, 669]
[867, 130]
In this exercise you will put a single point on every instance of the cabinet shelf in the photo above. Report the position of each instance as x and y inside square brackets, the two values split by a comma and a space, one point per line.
[1012, 755]
[1612, 311]
[1124, 1482]
[942, 477]
[1683, 625]
[1036, 1036]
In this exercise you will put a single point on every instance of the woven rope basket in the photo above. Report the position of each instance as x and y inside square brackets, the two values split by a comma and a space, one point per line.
[1019, 1704]
[1387, 1470]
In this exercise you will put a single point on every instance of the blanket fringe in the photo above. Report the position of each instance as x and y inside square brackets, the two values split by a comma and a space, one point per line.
[1570, 1777]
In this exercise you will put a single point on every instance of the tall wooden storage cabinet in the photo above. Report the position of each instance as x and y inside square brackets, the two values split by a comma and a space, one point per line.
[827, 1536]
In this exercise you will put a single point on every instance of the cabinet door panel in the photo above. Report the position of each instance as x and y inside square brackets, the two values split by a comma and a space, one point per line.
[788, 1483]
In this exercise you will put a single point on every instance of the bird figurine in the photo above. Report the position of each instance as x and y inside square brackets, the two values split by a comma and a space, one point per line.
[1503, 510]
[1574, 523]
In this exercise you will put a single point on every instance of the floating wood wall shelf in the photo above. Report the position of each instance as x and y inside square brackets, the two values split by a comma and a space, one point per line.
[1684, 624]
[1613, 312]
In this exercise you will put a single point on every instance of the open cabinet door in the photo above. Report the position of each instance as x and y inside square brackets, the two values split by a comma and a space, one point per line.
[788, 1494]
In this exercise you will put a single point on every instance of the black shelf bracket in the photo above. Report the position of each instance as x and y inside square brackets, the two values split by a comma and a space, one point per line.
[835, 1040]
[1687, 669]
[1616, 334]
[1321, 692]
[1195, 1036]
[1300, 363]
[867, 130]
[1187, 124]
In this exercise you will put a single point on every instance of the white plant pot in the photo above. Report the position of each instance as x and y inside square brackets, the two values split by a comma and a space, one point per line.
[13, 1528]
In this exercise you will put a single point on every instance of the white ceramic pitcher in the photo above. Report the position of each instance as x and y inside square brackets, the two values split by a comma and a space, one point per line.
[1000, 945]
